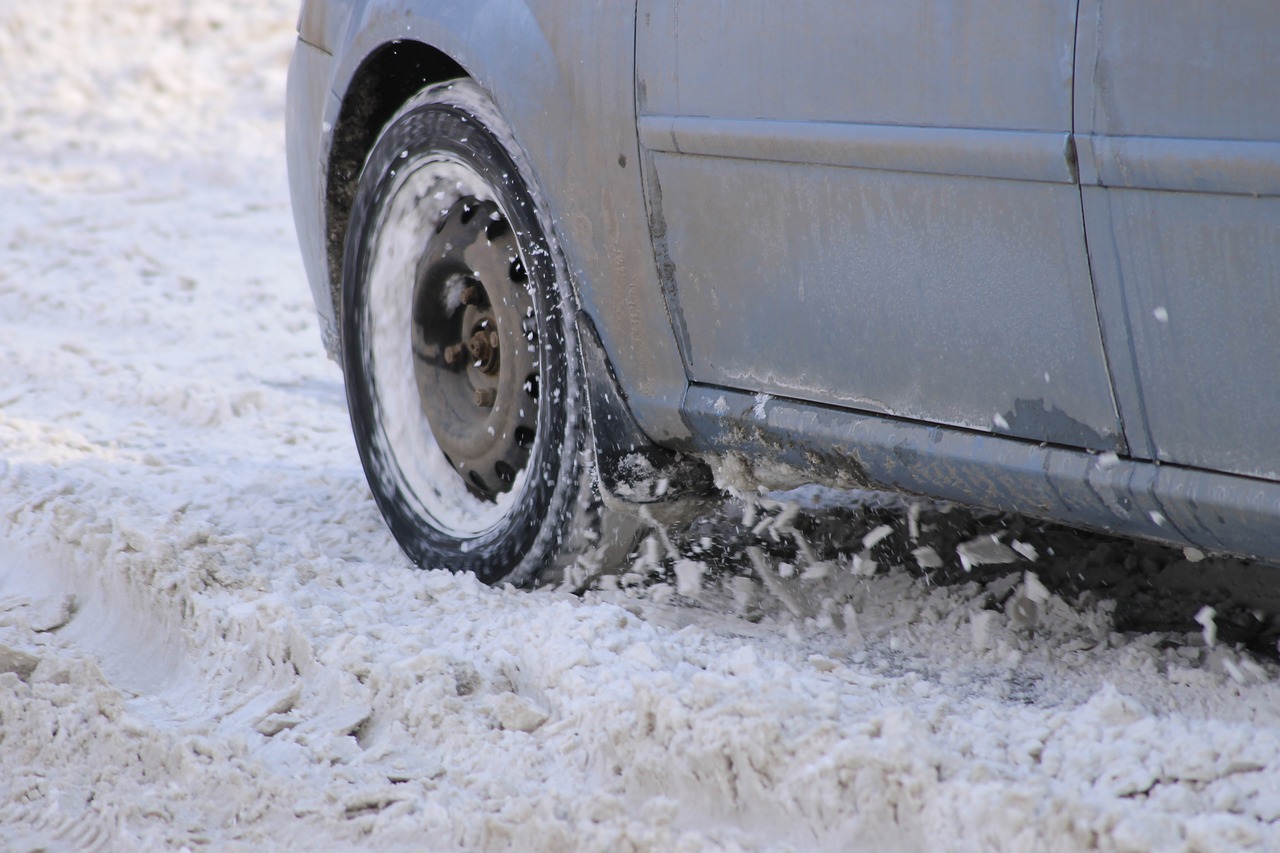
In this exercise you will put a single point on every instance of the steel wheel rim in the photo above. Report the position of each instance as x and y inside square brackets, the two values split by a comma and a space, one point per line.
[403, 278]
[475, 345]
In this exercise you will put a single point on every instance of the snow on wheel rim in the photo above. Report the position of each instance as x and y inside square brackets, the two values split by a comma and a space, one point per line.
[420, 196]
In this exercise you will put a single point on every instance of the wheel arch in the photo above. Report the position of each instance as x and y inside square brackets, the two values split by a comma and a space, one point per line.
[391, 49]
[564, 80]
[386, 78]
[563, 77]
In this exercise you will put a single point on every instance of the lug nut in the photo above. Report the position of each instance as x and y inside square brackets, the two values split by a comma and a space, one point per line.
[486, 397]
[455, 355]
[483, 348]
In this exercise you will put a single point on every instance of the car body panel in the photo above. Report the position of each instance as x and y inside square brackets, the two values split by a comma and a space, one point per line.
[307, 142]
[322, 24]
[902, 216]
[1208, 510]
[934, 63]
[1177, 131]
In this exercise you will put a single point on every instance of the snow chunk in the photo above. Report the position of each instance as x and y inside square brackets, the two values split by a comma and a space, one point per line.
[1024, 607]
[981, 629]
[1033, 589]
[927, 558]
[816, 571]
[689, 577]
[517, 714]
[51, 614]
[1026, 550]
[876, 536]
[913, 521]
[984, 550]
[1110, 459]
[1209, 628]
[1238, 667]
[1114, 708]
[863, 566]
[18, 662]
[742, 662]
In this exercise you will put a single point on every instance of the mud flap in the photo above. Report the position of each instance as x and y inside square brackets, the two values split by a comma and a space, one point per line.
[631, 471]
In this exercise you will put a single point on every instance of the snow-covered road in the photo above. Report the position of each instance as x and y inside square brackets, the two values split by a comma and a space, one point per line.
[209, 640]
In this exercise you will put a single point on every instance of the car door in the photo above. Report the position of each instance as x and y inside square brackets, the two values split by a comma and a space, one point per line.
[874, 205]
[1179, 138]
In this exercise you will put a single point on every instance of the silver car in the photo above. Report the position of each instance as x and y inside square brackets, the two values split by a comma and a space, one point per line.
[579, 256]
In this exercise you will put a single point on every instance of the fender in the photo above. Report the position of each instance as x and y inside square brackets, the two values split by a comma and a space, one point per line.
[563, 76]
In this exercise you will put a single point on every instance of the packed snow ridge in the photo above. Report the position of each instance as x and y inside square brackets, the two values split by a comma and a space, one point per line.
[208, 638]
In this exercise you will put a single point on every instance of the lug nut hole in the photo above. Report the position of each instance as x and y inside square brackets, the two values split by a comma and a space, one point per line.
[517, 272]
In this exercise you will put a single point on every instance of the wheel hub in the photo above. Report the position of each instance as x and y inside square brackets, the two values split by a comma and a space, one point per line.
[474, 340]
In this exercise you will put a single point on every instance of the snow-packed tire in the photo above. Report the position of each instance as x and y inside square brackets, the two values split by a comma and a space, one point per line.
[463, 376]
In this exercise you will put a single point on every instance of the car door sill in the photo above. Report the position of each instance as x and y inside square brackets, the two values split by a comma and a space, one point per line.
[788, 442]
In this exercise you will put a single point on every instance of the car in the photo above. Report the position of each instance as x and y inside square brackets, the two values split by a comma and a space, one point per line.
[580, 258]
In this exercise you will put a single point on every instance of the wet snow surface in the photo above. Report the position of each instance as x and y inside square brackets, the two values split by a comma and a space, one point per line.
[207, 638]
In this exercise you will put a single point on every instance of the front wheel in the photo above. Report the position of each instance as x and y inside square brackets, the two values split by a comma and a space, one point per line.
[461, 359]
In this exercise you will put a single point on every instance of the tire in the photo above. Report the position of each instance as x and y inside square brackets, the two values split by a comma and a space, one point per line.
[463, 374]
